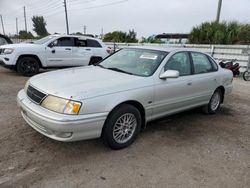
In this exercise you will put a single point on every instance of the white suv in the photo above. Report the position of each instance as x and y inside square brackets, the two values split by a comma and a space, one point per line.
[52, 52]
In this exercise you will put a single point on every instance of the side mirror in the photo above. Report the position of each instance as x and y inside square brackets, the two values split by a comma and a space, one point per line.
[51, 45]
[170, 74]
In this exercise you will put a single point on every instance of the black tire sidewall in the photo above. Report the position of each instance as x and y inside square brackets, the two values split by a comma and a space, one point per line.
[210, 110]
[110, 122]
[94, 60]
[244, 77]
[22, 60]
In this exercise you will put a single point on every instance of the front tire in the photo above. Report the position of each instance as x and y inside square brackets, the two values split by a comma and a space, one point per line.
[246, 76]
[214, 104]
[122, 127]
[27, 66]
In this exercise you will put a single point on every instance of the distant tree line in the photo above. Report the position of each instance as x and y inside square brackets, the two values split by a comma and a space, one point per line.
[119, 36]
[220, 33]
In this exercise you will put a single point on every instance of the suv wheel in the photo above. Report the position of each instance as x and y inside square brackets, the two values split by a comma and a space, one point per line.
[95, 60]
[122, 127]
[28, 66]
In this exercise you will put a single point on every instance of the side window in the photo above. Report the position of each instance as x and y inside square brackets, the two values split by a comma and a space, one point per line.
[180, 62]
[64, 41]
[3, 41]
[80, 42]
[214, 64]
[201, 63]
[93, 43]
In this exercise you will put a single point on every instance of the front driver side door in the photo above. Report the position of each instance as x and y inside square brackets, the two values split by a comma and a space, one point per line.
[59, 52]
[174, 94]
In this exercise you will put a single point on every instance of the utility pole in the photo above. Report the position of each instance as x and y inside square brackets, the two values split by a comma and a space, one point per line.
[84, 29]
[2, 24]
[17, 26]
[102, 34]
[66, 16]
[25, 22]
[218, 11]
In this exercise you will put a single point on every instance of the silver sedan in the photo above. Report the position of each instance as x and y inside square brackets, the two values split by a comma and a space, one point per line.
[118, 97]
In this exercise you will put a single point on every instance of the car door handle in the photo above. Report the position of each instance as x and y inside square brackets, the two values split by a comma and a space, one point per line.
[88, 49]
[67, 48]
[189, 83]
[53, 51]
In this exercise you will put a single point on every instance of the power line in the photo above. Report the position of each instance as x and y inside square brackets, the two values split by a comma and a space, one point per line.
[100, 6]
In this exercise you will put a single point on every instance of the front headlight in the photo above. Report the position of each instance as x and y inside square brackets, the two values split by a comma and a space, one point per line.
[7, 50]
[26, 86]
[60, 105]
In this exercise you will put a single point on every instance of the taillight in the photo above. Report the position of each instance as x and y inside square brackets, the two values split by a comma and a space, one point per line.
[109, 50]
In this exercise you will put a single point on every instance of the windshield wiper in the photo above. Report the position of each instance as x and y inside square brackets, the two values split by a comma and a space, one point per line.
[119, 70]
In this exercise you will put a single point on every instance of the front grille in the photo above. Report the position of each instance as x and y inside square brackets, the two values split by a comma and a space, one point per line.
[35, 95]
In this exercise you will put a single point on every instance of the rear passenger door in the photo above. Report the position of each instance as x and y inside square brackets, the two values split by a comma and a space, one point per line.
[81, 53]
[205, 77]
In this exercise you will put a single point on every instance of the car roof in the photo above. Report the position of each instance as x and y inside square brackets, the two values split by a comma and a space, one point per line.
[77, 36]
[164, 48]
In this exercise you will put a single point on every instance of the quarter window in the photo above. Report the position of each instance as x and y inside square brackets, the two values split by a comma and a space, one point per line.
[93, 43]
[180, 62]
[201, 63]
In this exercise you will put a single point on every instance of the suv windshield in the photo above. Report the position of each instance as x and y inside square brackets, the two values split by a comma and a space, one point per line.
[140, 62]
[44, 40]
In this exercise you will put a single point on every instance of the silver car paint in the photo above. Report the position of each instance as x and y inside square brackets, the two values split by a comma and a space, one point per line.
[101, 90]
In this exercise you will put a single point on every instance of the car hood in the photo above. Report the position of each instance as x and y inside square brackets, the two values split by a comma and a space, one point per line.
[86, 82]
[20, 45]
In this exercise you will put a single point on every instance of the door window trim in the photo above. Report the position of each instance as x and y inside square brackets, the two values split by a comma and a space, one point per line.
[190, 61]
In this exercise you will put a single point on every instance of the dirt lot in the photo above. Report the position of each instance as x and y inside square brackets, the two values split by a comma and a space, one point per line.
[186, 150]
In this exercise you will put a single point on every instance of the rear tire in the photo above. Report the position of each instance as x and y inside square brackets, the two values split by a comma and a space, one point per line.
[246, 75]
[214, 104]
[95, 60]
[27, 66]
[122, 127]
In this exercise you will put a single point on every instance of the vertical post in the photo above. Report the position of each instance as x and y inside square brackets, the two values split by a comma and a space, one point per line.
[66, 16]
[212, 50]
[25, 22]
[17, 26]
[248, 64]
[2, 24]
[84, 29]
[218, 11]
[102, 34]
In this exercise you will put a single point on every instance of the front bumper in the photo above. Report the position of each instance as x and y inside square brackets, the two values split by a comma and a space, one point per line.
[59, 126]
[6, 62]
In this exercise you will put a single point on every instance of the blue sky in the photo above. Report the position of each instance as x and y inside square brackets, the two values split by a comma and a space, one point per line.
[144, 16]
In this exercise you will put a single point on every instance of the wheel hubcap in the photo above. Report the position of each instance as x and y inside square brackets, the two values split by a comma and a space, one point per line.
[124, 128]
[215, 101]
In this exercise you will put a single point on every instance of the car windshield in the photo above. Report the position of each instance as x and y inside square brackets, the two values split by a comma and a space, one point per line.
[44, 40]
[140, 62]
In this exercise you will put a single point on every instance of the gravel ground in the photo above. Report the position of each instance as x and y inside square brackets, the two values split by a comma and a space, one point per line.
[185, 150]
